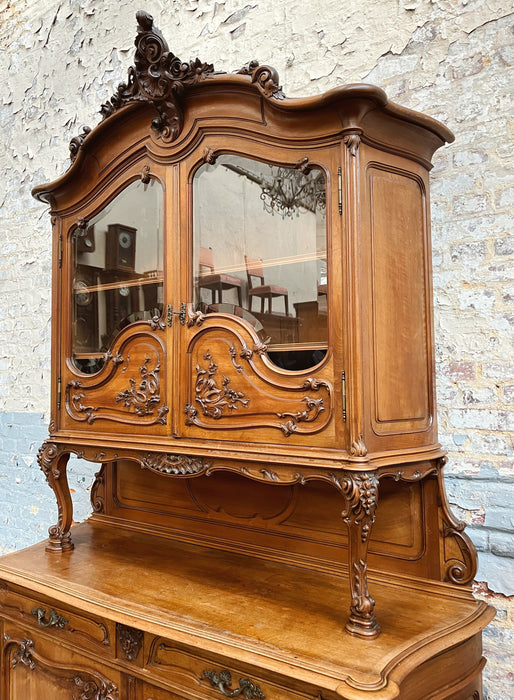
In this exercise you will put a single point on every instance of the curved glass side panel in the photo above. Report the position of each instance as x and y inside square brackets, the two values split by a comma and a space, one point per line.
[260, 242]
[117, 271]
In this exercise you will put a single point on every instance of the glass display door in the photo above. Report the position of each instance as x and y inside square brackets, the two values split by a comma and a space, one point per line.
[117, 268]
[260, 253]
[256, 355]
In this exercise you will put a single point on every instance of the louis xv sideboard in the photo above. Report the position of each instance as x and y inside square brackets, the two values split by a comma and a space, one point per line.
[243, 342]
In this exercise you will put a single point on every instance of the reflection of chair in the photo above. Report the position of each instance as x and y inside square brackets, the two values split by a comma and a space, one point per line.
[264, 291]
[214, 282]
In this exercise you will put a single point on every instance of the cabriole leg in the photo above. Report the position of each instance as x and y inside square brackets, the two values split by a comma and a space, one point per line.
[361, 491]
[53, 461]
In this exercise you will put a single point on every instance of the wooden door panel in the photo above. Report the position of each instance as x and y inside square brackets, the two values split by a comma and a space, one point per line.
[130, 390]
[400, 316]
[232, 385]
[35, 669]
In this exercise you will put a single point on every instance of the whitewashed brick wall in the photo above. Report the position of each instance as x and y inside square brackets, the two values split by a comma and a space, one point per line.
[452, 59]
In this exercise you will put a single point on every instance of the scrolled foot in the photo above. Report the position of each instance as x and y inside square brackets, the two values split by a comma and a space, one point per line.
[58, 541]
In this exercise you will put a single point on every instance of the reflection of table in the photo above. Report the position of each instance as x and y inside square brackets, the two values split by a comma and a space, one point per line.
[281, 329]
[278, 328]
[312, 323]
[233, 310]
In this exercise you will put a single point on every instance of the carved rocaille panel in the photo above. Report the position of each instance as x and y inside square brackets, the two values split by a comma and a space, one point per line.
[129, 389]
[232, 388]
[175, 465]
[66, 681]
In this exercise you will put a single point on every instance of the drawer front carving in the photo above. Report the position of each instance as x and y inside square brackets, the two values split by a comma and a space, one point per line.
[33, 674]
[185, 670]
[49, 616]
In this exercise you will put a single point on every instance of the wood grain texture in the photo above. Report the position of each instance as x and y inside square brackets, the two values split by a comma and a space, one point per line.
[235, 606]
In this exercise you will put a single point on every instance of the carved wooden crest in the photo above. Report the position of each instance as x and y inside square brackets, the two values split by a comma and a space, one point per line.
[159, 78]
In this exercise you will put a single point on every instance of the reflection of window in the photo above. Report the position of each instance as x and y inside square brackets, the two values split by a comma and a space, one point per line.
[274, 267]
[118, 271]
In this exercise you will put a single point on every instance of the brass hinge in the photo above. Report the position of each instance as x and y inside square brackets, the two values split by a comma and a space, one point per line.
[343, 386]
[181, 314]
[340, 188]
[60, 250]
[58, 393]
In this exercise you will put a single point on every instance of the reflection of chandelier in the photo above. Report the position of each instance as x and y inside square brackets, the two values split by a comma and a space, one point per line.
[288, 190]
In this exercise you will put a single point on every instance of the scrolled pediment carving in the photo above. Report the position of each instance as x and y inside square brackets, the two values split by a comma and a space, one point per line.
[160, 78]
[266, 77]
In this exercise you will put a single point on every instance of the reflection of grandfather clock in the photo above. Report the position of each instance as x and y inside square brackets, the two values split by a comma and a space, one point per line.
[86, 308]
[120, 251]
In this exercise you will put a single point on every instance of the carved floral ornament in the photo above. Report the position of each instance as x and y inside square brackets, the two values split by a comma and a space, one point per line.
[217, 399]
[139, 403]
[160, 78]
[83, 685]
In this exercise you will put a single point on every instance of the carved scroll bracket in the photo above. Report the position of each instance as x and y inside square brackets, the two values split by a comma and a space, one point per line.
[265, 77]
[52, 460]
[460, 556]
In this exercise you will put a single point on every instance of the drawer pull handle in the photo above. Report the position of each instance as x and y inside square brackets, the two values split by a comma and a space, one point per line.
[247, 689]
[54, 619]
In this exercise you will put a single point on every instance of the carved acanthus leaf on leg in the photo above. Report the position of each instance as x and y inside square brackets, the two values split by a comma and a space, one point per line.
[361, 492]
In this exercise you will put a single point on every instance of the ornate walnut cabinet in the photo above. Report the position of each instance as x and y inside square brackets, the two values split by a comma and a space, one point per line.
[242, 340]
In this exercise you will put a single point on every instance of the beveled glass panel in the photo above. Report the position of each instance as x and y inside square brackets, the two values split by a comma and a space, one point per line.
[117, 271]
[260, 242]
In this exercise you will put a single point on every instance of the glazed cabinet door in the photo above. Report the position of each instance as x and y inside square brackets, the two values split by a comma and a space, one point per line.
[114, 369]
[37, 669]
[264, 293]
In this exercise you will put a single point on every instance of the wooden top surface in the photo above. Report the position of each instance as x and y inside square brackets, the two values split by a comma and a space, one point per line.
[286, 619]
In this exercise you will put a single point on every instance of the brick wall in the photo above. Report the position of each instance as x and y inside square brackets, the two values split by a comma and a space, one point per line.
[451, 59]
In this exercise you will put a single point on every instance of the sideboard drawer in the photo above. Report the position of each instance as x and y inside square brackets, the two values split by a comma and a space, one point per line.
[36, 668]
[196, 675]
[51, 617]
